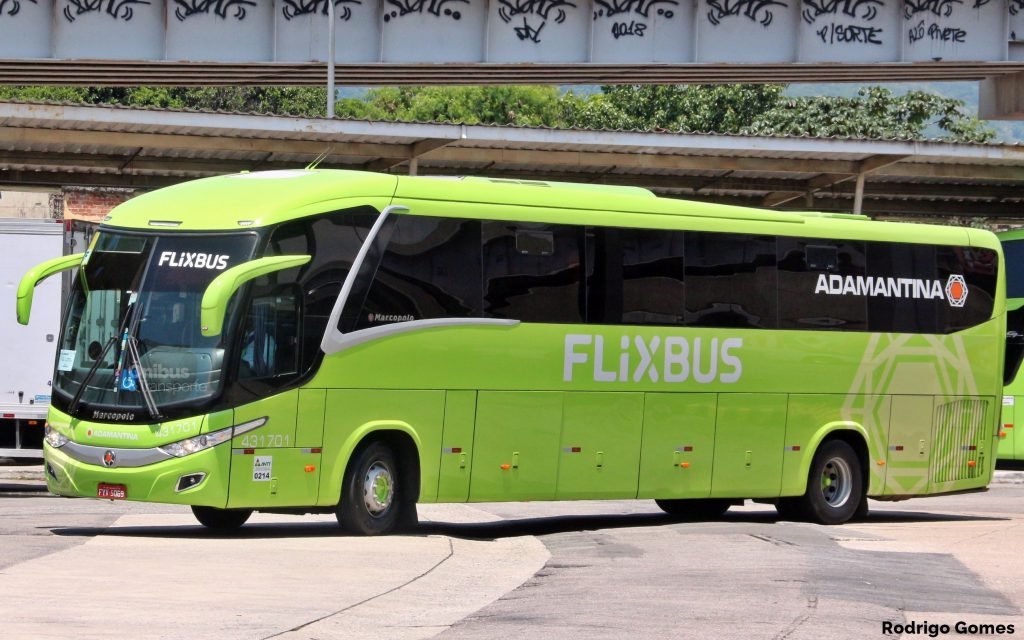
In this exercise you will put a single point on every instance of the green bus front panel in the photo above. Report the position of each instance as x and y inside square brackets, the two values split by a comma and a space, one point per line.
[282, 477]
[600, 447]
[749, 436]
[910, 438]
[678, 445]
[515, 447]
[456, 446]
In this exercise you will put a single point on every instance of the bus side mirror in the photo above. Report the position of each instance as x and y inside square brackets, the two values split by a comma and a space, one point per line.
[217, 295]
[35, 275]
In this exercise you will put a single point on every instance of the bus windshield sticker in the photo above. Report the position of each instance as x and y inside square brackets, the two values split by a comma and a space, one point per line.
[66, 360]
[262, 467]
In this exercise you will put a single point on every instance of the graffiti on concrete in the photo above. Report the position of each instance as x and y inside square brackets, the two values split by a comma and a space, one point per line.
[856, 9]
[187, 8]
[117, 9]
[641, 11]
[11, 7]
[535, 13]
[756, 10]
[295, 8]
[844, 22]
[435, 8]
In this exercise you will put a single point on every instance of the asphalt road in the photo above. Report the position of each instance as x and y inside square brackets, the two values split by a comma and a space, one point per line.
[90, 569]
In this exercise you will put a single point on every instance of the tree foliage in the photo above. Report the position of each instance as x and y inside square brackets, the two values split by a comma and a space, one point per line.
[751, 109]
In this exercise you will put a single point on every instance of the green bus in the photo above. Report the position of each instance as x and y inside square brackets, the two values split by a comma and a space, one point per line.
[1011, 441]
[329, 341]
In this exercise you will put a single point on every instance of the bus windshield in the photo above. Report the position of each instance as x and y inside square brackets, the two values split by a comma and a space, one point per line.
[131, 339]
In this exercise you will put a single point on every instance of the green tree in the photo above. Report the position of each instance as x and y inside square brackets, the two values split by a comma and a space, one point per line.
[504, 105]
[691, 108]
[874, 113]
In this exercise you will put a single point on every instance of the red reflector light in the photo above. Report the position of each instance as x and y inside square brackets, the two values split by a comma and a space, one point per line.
[899, 447]
[687, 449]
[1007, 426]
[576, 449]
[248, 452]
[33, 422]
[8, 415]
[456, 449]
[316, 450]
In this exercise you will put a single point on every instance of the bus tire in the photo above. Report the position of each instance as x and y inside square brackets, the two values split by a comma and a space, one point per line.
[694, 509]
[221, 519]
[835, 484]
[373, 497]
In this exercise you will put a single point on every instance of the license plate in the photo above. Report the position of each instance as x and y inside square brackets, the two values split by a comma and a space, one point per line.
[112, 491]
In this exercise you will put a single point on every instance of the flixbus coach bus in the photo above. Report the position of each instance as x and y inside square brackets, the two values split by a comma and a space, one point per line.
[1011, 440]
[330, 341]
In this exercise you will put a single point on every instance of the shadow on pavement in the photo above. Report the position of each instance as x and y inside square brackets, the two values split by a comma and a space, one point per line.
[510, 528]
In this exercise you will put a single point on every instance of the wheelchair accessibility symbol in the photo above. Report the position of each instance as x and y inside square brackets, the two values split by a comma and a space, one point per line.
[129, 381]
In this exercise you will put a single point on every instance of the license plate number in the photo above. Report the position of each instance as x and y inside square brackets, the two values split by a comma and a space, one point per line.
[112, 491]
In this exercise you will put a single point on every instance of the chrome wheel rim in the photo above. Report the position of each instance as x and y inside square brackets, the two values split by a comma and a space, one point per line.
[836, 482]
[378, 489]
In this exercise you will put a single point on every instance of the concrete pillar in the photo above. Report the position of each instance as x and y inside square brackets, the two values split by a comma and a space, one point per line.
[1001, 97]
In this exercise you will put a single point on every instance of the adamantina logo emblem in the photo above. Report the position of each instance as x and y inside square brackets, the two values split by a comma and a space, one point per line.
[956, 291]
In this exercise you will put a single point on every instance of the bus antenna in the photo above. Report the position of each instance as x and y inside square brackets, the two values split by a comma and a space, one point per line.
[320, 158]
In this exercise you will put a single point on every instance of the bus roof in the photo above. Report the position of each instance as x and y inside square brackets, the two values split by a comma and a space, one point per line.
[247, 200]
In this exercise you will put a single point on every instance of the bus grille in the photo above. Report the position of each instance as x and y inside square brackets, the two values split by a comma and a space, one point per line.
[960, 427]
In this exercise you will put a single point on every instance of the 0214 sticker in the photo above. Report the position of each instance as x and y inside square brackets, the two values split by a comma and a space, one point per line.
[262, 467]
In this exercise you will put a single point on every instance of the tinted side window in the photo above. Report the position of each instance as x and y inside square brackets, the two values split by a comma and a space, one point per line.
[636, 277]
[430, 269]
[532, 272]
[1013, 251]
[817, 284]
[905, 268]
[971, 305]
[731, 280]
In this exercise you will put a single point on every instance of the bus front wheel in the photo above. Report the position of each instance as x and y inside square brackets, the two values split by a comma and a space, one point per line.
[221, 519]
[373, 500]
[835, 485]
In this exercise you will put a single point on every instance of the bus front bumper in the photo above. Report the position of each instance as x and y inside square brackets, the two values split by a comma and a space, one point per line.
[160, 481]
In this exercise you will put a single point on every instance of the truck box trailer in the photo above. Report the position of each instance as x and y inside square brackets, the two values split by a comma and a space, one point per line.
[27, 366]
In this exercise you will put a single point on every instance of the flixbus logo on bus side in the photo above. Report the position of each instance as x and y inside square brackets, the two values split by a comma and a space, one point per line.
[672, 359]
[955, 291]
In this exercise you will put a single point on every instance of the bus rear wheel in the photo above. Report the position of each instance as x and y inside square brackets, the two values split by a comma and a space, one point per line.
[835, 485]
[221, 519]
[373, 498]
[694, 509]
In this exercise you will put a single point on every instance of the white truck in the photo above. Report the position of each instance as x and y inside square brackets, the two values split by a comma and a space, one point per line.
[26, 368]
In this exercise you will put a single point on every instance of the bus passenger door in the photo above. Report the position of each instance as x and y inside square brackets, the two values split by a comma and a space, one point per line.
[678, 445]
[749, 440]
[910, 435]
[515, 445]
[600, 448]
[1007, 428]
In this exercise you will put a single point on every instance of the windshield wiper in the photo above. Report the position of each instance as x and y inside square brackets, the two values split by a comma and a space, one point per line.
[73, 406]
[144, 390]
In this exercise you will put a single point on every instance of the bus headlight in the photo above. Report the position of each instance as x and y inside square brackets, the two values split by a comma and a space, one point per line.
[199, 443]
[55, 438]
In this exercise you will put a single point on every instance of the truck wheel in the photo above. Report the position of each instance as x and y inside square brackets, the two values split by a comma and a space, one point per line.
[221, 519]
[373, 498]
[694, 509]
[835, 484]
